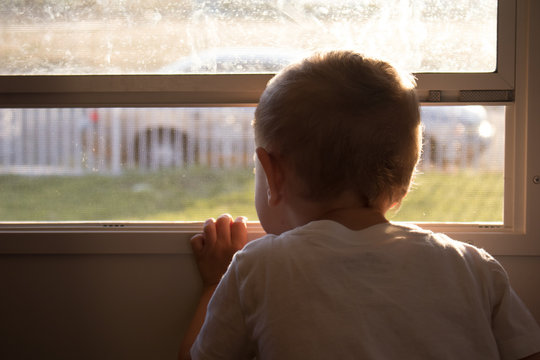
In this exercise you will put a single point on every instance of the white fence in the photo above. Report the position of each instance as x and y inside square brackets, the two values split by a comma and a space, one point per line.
[78, 141]
[111, 140]
[42, 140]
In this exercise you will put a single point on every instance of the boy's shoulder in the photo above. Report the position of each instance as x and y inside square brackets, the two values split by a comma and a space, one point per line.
[391, 236]
[394, 247]
[441, 241]
[333, 234]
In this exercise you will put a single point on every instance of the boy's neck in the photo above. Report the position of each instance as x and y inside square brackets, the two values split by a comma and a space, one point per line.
[344, 211]
[354, 218]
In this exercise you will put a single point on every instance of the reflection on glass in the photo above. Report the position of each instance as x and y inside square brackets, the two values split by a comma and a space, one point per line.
[164, 36]
[175, 164]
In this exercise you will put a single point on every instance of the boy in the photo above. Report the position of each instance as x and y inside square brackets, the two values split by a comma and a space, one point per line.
[338, 137]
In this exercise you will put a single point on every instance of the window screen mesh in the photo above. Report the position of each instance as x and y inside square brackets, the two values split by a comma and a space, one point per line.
[175, 164]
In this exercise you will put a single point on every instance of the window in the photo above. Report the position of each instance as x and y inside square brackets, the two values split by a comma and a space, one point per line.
[163, 36]
[83, 78]
[166, 164]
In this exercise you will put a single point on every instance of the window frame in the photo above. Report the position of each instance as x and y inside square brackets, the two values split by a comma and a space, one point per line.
[520, 234]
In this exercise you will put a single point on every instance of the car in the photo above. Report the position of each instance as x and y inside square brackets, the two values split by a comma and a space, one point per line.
[455, 135]
[163, 137]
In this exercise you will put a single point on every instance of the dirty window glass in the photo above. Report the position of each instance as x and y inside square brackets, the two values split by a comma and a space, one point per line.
[171, 164]
[241, 36]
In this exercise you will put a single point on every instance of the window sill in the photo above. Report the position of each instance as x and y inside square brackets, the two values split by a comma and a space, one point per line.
[173, 238]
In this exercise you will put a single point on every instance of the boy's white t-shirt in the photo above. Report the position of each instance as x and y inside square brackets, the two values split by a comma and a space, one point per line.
[390, 291]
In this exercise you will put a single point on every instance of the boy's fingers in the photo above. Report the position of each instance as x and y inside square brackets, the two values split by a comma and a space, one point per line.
[197, 243]
[239, 232]
[223, 228]
[209, 230]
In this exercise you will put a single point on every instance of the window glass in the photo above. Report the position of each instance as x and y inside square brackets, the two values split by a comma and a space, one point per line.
[461, 174]
[187, 36]
[171, 164]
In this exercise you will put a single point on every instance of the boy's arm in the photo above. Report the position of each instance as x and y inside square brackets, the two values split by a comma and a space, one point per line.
[213, 250]
[196, 322]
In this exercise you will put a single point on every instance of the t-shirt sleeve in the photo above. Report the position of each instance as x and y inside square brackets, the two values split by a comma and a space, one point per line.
[224, 334]
[515, 329]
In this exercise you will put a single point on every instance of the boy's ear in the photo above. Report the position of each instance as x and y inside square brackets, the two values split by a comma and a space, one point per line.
[275, 175]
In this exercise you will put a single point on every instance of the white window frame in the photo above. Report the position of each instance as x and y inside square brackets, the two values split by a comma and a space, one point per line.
[516, 77]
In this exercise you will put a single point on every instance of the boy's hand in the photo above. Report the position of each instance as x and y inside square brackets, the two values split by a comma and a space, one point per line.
[215, 247]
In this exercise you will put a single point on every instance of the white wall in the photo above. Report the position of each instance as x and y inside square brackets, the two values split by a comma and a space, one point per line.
[124, 306]
[524, 272]
[95, 306]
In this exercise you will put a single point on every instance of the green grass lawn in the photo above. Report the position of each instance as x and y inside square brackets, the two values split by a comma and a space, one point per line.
[198, 193]
[454, 197]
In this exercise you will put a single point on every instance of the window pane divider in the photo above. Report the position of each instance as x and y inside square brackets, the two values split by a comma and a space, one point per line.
[131, 90]
[206, 90]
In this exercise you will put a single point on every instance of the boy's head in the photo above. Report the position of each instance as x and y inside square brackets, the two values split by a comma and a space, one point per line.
[343, 123]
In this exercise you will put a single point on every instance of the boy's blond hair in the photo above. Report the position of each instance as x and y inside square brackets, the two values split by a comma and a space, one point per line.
[344, 123]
